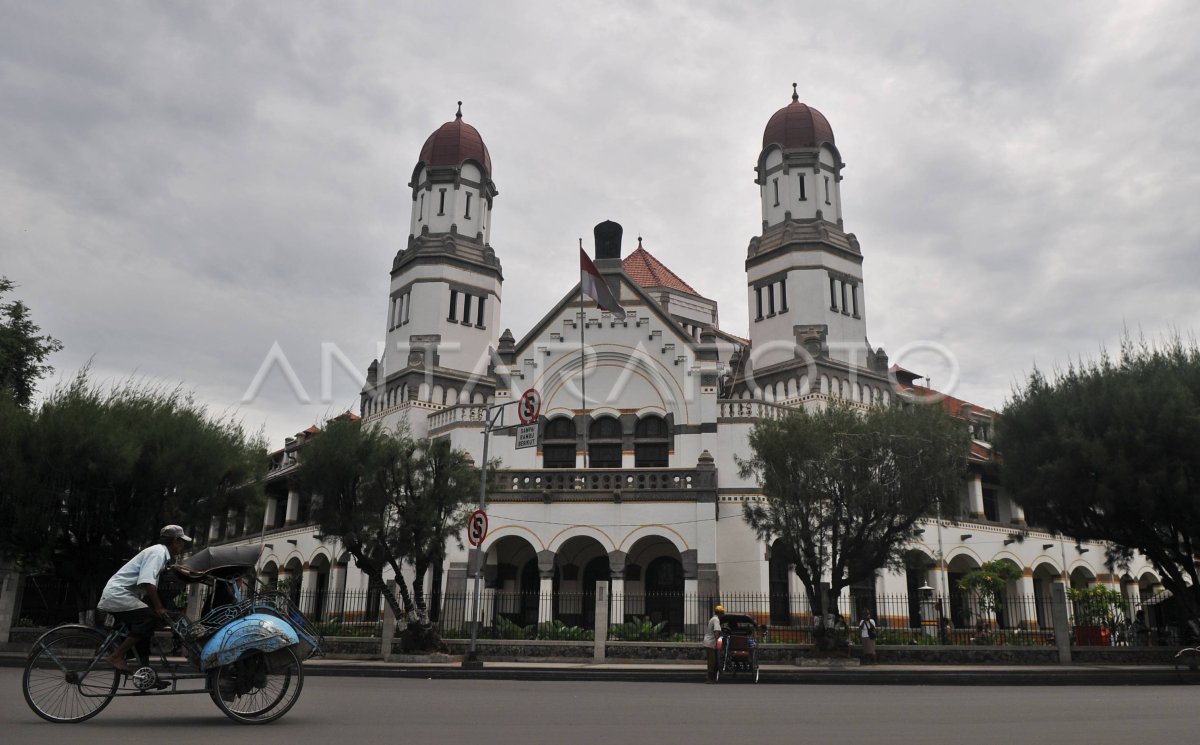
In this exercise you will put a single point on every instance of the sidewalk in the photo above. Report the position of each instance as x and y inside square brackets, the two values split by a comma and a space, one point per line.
[693, 672]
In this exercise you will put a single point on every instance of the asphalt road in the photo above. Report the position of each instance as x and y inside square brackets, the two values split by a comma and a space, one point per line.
[335, 710]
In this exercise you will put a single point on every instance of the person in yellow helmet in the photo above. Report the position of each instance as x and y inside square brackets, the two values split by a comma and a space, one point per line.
[712, 632]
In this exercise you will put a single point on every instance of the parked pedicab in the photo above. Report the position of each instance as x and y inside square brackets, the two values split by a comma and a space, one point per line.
[245, 652]
[737, 648]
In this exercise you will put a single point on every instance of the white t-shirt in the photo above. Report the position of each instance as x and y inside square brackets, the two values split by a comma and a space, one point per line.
[123, 591]
[711, 631]
[865, 626]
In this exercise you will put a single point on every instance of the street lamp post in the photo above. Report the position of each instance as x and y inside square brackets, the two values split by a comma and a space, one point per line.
[493, 415]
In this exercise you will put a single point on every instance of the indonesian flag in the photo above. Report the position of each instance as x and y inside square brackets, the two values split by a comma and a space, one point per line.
[594, 286]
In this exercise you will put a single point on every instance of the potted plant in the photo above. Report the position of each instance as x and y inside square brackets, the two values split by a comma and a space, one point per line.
[1099, 610]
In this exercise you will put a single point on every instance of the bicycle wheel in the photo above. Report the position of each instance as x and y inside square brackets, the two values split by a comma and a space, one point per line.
[722, 659]
[258, 688]
[754, 664]
[58, 684]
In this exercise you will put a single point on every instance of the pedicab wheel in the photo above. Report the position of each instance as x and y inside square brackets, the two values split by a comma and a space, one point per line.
[258, 688]
[58, 685]
[720, 665]
[754, 664]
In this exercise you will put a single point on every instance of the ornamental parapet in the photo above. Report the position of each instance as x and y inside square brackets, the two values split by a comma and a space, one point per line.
[606, 485]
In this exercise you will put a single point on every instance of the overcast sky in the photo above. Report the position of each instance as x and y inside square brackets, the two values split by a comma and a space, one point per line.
[184, 185]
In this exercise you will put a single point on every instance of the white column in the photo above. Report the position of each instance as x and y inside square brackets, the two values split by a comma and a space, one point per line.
[1026, 612]
[1018, 513]
[308, 586]
[546, 598]
[618, 601]
[975, 496]
[214, 529]
[691, 610]
[293, 507]
[269, 517]
[336, 597]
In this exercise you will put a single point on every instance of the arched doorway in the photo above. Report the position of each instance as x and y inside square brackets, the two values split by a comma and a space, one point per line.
[318, 590]
[291, 584]
[962, 610]
[1045, 574]
[579, 565]
[779, 584]
[916, 575]
[654, 582]
[511, 573]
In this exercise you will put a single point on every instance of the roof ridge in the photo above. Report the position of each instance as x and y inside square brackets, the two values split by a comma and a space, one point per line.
[656, 269]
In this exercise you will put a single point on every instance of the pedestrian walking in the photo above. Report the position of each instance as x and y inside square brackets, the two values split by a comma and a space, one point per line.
[867, 631]
[712, 632]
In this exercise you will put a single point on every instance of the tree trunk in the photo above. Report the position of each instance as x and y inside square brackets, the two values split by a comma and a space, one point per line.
[435, 593]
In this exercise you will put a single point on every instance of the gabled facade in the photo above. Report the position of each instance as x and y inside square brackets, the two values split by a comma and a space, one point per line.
[634, 480]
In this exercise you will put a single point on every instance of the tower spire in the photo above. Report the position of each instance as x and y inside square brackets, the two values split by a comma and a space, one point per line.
[459, 114]
[795, 95]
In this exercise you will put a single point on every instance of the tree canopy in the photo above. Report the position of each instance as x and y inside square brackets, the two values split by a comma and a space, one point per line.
[1109, 450]
[843, 489]
[23, 350]
[90, 475]
[390, 499]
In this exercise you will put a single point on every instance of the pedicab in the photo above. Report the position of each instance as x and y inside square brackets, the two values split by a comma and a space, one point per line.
[245, 652]
[737, 648]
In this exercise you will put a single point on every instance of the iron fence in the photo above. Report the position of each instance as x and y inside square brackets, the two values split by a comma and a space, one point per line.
[960, 618]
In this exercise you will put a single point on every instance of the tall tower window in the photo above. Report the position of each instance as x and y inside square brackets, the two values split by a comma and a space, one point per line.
[558, 443]
[651, 443]
[758, 303]
[827, 190]
[442, 200]
[833, 294]
[845, 305]
[604, 443]
[394, 314]
[775, 183]
[453, 306]
[466, 309]
[467, 214]
[421, 209]
[803, 196]
[783, 295]
[406, 301]
[479, 314]
[771, 299]
[854, 299]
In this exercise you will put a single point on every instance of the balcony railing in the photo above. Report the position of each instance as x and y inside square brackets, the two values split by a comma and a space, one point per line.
[606, 485]
[459, 414]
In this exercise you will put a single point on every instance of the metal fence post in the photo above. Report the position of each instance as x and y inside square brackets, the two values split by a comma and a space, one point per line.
[601, 634]
[1062, 630]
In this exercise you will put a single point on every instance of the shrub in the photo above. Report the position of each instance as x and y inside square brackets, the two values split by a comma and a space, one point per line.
[640, 629]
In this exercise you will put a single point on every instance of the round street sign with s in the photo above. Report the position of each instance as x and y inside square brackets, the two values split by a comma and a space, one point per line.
[477, 527]
[529, 406]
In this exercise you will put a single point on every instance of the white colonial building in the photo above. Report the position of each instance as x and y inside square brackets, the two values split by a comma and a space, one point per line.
[634, 480]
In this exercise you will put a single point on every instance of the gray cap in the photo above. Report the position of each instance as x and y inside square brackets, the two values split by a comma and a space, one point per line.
[171, 532]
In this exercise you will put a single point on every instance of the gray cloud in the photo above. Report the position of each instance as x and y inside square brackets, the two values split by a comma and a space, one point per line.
[182, 186]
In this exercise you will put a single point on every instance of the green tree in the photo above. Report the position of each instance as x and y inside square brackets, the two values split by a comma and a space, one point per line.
[391, 499]
[843, 490]
[989, 583]
[1109, 450]
[23, 351]
[350, 471]
[98, 472]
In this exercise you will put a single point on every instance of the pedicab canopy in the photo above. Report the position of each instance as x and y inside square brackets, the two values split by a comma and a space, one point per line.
[219, 561]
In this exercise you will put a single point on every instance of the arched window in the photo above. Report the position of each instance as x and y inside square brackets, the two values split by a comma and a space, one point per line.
[604, 443]
[558, 443]
[651, 442]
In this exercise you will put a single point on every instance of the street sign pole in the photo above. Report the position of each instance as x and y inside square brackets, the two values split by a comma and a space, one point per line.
[492, 414]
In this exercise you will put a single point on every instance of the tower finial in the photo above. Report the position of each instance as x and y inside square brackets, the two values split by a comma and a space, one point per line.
[459, 114]
[795, 95]
[581, 244]
[639, 241]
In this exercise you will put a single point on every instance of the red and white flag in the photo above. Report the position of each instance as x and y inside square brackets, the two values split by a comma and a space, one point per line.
[595, 287]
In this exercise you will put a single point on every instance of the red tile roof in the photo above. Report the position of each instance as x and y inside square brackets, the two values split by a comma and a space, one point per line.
[455, 142]
[650, 273]
[797, 125]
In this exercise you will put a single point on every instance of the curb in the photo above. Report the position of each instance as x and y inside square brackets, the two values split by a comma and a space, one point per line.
[771, 675]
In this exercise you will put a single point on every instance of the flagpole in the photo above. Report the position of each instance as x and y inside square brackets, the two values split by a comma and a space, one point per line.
[583, 360]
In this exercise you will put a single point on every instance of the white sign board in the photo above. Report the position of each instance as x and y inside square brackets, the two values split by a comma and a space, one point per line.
[527, 436]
